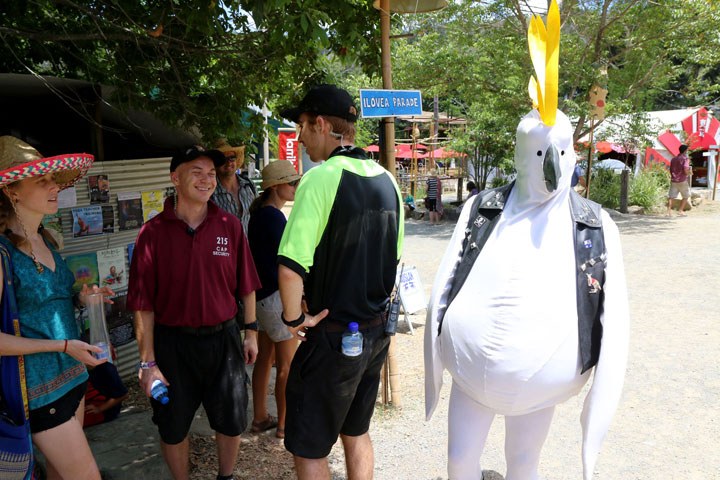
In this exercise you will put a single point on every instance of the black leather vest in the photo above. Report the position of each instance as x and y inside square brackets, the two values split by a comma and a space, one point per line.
[590, 256]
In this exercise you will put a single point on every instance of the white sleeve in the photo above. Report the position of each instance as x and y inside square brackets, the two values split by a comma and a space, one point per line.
[438, 299]
[603, 398]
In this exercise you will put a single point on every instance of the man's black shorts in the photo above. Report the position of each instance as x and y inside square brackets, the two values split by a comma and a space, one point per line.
[201, 369]
[329, 393]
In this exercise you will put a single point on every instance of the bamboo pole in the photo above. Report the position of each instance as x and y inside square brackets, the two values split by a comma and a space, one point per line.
[590, 155]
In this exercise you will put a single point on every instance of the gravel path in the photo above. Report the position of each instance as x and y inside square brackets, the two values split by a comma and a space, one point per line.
[667, 424]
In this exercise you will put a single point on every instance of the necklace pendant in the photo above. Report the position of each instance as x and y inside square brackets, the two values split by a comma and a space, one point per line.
[39, 267]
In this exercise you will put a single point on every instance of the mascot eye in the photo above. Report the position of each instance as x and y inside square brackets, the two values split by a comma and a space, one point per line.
[539, 153]
[562, 153]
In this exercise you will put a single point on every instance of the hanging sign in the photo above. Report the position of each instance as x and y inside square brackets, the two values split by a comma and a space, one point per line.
[390, 103]
[289, 146]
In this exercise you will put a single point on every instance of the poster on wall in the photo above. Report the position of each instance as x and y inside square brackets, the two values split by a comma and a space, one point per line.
[152, 204]
[53, 222]
[112, 269]
[67, 198]
[99, 188]
[84, 268]
[119, 320]
[130, 210]
[131, 247]
[108, 216]
[87, 221]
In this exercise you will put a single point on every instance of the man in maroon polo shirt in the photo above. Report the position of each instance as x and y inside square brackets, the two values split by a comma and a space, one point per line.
[190, 266]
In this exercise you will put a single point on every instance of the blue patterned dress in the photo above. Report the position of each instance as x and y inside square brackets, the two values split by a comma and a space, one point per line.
[45, 308]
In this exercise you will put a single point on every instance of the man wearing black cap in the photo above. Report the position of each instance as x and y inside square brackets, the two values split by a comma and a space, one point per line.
[341, 246]
[190, 266]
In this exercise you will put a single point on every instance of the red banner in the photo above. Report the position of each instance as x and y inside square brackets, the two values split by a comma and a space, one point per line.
[289, 147]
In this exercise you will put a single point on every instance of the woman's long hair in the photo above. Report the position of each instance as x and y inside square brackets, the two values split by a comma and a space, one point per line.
[7, 212]
[258, 202]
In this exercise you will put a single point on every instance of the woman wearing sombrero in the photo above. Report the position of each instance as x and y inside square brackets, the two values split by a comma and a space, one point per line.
[53, 356]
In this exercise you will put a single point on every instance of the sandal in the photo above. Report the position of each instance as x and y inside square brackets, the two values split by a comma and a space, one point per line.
[280, 433]
[267, 424]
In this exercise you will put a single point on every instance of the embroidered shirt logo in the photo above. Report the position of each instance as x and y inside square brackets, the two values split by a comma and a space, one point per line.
[480, 221]
[221, 249]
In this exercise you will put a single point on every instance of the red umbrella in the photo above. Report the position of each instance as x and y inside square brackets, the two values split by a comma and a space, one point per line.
[372, 148]
[442, 153]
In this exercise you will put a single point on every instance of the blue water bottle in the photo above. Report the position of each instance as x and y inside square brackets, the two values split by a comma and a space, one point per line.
[352, 341]
[159, 392]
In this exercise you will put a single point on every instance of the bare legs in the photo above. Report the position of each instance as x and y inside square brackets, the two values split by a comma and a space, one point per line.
[468, 427]
[359, 461]
[67, 451]
[284, 353]
[177, 456]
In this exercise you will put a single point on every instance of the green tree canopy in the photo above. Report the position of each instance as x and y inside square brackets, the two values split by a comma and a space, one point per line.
[193, 63]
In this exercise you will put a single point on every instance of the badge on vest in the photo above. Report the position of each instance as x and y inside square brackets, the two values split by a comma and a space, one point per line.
[480, 221]
[593, 284]
[588, 243]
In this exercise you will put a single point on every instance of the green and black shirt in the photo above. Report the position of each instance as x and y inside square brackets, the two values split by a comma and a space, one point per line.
[344, 236]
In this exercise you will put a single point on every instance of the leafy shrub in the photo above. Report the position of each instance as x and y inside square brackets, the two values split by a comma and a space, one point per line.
[649, 187]
[605, 187]
[498, 182]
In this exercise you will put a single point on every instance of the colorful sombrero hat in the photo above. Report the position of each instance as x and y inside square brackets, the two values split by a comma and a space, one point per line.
[18, 161]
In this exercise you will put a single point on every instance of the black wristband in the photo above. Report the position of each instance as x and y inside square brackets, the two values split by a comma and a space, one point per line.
[252, 326]
[294, 323]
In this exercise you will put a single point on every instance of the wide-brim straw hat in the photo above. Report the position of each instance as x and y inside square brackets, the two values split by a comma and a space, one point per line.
[223, 145]
[277, 172]
[18, 161]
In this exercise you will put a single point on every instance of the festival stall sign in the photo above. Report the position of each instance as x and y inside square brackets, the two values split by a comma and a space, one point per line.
[53, 222]
[84, 268]
[389, 103]
[289, 148]
[130, 210]
[87, 221]
[99, 189]
[152, 204]
[112, 269]
[652, 156]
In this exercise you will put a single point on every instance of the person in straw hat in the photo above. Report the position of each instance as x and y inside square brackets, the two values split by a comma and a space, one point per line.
[54, 358]
[267, 224]
[235, 192]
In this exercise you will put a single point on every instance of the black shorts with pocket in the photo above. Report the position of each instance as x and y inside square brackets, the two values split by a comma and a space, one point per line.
[58, 412]
[431, 204]
[329, 393]
[207, 370]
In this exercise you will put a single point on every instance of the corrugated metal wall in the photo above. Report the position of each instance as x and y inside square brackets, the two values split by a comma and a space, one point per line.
[124, 176]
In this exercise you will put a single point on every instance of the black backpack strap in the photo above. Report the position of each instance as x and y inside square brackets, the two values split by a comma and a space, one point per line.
[590, 258]
[486, 209]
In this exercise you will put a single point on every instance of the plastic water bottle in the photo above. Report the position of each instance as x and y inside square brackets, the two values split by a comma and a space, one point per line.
[159, 392]
[352, 341]
[98, 329]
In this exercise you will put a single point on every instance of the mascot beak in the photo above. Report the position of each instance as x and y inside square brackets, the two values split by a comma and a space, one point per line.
[551, 168]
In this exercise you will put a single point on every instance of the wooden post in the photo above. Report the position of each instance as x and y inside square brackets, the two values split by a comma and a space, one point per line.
[388, 122]
[590, 155]
[624, 183]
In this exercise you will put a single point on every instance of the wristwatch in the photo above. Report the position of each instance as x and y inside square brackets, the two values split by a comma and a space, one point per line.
[145, 365]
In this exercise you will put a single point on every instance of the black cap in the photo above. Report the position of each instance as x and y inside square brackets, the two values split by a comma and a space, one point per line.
[196, 151]
[324, 99]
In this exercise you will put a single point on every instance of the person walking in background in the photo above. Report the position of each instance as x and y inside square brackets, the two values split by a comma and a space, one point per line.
[235, 191]
[433, 199]
[190, 266]
[341, 246]
[679, 171]
[54, 357]
[577, 182]
[267, 223]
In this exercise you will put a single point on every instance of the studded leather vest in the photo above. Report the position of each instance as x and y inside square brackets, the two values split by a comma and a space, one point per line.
[590, 257]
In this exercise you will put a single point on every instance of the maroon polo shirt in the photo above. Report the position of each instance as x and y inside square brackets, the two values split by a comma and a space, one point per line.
[191, 279]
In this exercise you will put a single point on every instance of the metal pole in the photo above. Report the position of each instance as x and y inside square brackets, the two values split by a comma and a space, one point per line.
[388, 122]
[715, 180]
[590, 154]
[266, 140]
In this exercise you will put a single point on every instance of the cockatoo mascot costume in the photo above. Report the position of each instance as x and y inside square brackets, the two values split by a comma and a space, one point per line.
[509, 338]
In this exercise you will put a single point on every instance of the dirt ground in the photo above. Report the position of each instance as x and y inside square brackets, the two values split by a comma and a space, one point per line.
[667, 424]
